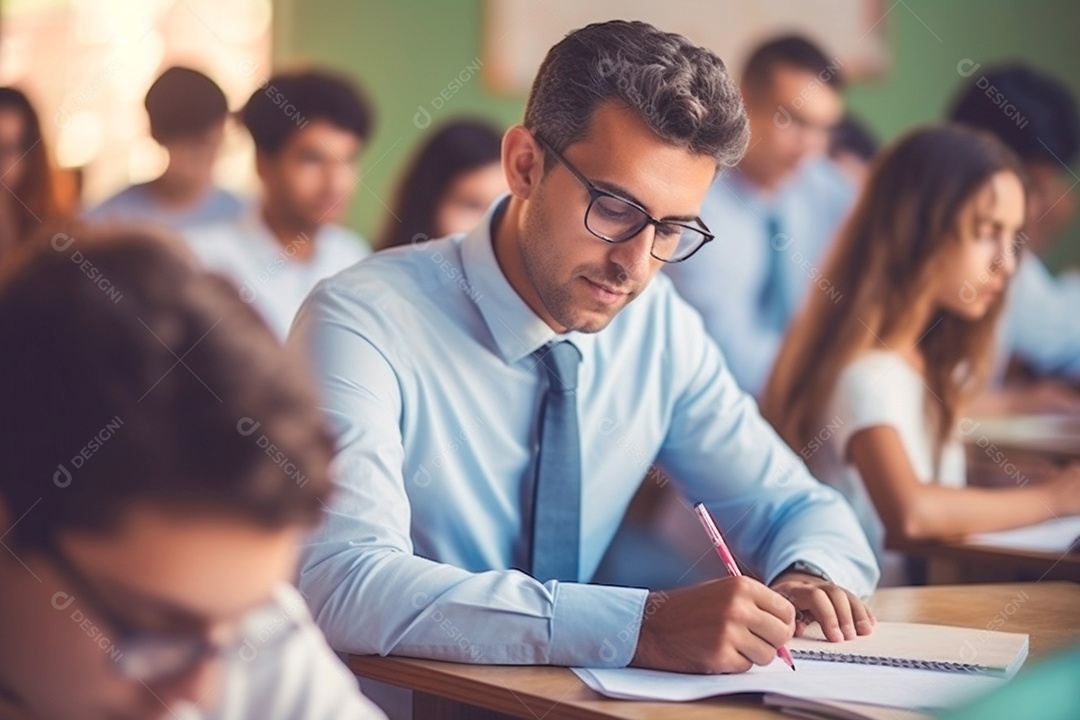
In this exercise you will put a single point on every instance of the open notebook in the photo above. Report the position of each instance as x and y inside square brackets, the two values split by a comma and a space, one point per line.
[916, 668]
[918, 646]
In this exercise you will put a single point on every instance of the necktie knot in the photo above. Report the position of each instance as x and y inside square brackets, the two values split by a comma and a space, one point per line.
[560, 360]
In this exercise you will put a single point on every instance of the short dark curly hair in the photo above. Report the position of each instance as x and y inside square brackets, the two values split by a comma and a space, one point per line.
[287, 102]
[682, 91]
[1031, 111]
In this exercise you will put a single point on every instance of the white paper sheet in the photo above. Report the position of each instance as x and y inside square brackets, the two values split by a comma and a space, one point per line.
[1054, 536]
[891, 687]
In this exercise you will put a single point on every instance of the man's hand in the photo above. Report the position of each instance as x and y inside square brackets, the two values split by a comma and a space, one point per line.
[721, 626]
[842, 615]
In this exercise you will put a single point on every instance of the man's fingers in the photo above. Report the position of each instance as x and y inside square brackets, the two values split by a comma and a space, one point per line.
[772, 629]
[841, 602]
[777, 605]
[864, 619]
[756, 649]
[816, 602]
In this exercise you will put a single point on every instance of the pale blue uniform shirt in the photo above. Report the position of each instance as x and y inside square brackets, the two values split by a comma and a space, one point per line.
[1041, 323]
[137, 203]
[726, 278]
[423, 356]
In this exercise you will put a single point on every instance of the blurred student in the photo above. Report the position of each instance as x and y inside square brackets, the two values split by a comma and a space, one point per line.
[1040, 124]
[448, 188]
[309, 130]
[28, 197]
[775, 212]
[871, 381]
[149, 536]
[852, 146]
[187, 112]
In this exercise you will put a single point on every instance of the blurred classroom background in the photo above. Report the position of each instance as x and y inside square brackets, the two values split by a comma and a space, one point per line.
[87, 65]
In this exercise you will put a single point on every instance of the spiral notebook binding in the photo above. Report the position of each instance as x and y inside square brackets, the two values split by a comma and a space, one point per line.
[887, 661]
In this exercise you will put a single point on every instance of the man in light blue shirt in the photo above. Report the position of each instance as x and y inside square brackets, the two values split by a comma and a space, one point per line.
[751, 282]
[488, 388]
[775, 213]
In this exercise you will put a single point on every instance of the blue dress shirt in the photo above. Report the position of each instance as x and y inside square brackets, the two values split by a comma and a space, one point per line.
[726, 278]
[1040, 324]
[424, 360]
[137, 203]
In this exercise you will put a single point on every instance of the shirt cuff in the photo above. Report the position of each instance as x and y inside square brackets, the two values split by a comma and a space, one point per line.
[846, 573]
[595, 625]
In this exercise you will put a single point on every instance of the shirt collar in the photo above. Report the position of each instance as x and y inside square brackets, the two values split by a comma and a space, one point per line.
[518, 331]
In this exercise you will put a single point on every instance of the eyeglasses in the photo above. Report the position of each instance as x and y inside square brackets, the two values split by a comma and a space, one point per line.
[151, 656]
[616, 219]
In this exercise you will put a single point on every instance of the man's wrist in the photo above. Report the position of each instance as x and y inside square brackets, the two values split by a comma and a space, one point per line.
[802, 567]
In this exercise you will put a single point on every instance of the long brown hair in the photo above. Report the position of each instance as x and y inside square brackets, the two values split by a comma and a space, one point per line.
[36, 192]
[879, 269]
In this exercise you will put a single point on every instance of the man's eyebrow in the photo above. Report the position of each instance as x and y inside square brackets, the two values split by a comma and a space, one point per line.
[166, 607]
[121, 595]
[625, 194]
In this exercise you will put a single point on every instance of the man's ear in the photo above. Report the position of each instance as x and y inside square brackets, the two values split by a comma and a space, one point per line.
[522, 161]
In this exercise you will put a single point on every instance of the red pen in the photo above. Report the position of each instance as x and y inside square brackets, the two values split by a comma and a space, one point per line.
[729, 562]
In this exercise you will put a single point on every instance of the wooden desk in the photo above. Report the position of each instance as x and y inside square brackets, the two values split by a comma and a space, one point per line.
[1048, 611]
[1018, 437]
[962, 561]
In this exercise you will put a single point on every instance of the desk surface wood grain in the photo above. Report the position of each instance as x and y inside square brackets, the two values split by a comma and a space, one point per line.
[1049, 612]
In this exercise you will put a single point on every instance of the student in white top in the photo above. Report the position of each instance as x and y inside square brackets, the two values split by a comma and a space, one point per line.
[309, 129]
[149, 536]
[869, 386]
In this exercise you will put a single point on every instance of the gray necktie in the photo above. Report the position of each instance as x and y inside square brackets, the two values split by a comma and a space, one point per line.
[556, 517]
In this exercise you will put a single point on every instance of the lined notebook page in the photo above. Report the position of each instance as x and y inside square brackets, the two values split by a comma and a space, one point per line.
[914, 645]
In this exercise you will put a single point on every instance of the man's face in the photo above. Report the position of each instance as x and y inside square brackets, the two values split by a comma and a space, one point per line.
[194, 155]
[582, 281]
[790, 120]
[1051, 204]
[160, 572]
[312, 178]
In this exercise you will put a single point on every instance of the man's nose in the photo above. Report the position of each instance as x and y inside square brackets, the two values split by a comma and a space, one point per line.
[634, 255]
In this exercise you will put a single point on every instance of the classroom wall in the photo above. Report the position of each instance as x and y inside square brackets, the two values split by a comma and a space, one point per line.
[407, 53]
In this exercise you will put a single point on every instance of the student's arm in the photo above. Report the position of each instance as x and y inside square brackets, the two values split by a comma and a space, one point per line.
[721, 452]
[911, 510]
[369, 592]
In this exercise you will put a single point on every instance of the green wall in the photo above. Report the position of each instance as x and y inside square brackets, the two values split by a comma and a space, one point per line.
[406, 52]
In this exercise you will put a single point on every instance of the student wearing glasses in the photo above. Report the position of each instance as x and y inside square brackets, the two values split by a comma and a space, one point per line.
[498, 395]
[148, 536]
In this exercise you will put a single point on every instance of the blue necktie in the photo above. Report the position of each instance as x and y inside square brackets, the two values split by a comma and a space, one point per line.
[773, 299]
[556, 521]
